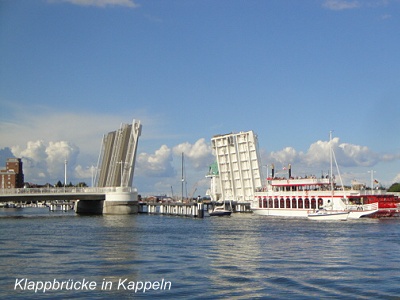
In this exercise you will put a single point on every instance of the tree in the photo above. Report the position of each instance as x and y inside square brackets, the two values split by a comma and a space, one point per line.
[395, 187]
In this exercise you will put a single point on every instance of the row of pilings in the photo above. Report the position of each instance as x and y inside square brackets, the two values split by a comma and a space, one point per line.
[192, 209]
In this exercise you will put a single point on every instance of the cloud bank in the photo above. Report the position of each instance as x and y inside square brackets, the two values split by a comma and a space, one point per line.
[340, 4]
[160, 171]
[318, 155]
[46, 161]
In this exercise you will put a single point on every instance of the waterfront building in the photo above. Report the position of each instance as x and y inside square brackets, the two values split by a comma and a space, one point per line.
[12, 176]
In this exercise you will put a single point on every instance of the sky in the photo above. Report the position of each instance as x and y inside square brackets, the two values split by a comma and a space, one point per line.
[291, 71]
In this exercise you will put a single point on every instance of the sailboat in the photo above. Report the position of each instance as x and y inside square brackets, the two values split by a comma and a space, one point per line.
[326, 213]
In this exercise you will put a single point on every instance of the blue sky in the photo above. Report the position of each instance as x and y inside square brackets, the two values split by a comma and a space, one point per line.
[291, 71]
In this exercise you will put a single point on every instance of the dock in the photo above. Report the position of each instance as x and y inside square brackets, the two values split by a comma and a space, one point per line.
[61, 205]
[191, 209]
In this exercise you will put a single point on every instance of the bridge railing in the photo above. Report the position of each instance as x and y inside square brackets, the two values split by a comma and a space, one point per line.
[69, 190]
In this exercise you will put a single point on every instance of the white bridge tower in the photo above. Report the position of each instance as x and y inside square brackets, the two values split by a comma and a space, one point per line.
[238, 166]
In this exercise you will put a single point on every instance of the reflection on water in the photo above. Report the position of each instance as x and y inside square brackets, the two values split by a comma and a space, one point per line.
[240, 257]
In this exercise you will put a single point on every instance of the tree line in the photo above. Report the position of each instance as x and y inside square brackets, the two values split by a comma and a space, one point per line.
[395, 187]
[80, 184]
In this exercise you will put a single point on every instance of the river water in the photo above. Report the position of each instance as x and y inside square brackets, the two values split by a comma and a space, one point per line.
[238, 257]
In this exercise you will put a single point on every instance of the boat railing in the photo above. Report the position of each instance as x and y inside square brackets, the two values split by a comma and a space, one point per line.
[362, 207]
[294, 194]
[299, 181]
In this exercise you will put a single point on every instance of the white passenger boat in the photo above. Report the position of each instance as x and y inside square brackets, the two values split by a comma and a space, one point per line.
[297, 197]
[289, 196]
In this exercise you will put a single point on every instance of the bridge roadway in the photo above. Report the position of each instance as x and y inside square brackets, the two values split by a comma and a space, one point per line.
[49, 194]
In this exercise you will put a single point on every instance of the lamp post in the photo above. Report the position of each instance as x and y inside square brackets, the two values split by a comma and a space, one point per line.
[65, 174]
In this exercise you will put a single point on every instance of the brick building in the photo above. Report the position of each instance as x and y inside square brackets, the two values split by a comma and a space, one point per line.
[12, 176]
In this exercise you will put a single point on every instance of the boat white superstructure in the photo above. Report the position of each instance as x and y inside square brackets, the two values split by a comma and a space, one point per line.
[298, 197]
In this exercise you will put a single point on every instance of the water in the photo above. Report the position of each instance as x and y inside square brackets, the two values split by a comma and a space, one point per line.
[239, 257]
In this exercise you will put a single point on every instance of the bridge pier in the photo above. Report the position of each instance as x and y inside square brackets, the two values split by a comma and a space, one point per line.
[122, 201]
[90, 207]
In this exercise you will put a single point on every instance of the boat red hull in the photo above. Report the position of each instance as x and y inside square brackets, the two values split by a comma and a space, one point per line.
[388, 205]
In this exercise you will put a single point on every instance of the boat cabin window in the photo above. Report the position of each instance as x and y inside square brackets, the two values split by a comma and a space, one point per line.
[294, 203]
[313, 203]
[282, 203]
[306, 203]
[300, 202]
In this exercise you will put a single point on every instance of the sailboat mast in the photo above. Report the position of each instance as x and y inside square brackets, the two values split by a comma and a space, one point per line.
[182, 179]
[331, 160]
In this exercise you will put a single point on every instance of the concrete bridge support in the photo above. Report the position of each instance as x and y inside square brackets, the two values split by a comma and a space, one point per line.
[90, 207]
[122, 201]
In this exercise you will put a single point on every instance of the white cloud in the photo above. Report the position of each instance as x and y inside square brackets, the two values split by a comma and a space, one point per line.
[160, 172]
[46, 161]
[57, 154]
[318, 155]
[199, 154]
[100, 3]
[386, 17]
[158, 164]
[340, 4]
[355, 155]
[390, 157]
[284, 156]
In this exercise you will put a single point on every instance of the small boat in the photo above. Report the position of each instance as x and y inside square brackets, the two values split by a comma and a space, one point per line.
[323, 215]
[219, 211]
[360, 211]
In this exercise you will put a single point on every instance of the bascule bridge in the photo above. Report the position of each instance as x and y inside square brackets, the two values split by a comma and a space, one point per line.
[115, 170]
[113, 192]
